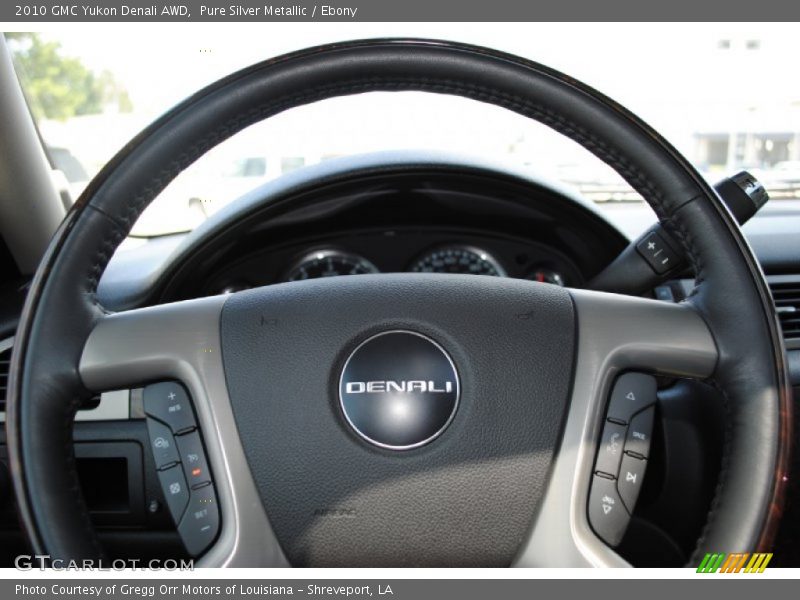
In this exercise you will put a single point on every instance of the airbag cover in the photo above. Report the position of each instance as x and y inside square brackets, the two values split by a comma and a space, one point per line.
[468, 497]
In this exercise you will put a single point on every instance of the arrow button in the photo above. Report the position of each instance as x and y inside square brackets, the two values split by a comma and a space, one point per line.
[632, 393]
[607, 514]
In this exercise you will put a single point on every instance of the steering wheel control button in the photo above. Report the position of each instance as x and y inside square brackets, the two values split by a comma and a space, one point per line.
[193, 458]
[169, 403]
[640, 431]
[200, 522]
[165, 452]
[631, 474]
[632, 393]
[399, 390]
[176, 492]
[658, 253]
[607, 515]
[611, 446]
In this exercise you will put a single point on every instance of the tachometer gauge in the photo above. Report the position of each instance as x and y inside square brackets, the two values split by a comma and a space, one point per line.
[329, 263]
[458, 259]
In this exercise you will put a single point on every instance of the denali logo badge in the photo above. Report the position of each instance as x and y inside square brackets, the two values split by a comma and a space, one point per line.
[377, 387]
[399, 390]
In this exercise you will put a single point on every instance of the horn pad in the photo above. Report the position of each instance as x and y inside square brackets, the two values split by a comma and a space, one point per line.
[458, 471]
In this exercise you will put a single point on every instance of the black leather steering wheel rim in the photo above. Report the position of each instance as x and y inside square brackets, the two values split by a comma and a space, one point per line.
[731, 295]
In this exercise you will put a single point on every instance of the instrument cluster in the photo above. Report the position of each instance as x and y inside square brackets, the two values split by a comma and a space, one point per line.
[456, 258]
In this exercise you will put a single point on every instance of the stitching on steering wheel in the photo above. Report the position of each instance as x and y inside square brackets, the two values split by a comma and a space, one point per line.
[473, 91]
[721, 479]
[678, 228]
[69, 410]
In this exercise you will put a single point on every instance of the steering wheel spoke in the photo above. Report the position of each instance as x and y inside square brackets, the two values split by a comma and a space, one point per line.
[616, 334]
[181, 342]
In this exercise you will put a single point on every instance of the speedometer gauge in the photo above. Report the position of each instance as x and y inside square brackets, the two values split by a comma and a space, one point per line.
[329, 263]
[458, 259]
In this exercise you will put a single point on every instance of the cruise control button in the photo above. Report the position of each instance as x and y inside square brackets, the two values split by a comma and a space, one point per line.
[658, 253]
[200, 522]
[190, 449]
[632, 392]
[631, 474]
[176, 492]
[607, 515]
[169, 403]
[610, 452]
[639, 433]
[162, 444]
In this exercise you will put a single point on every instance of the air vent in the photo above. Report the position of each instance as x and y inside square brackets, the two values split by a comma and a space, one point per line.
[5, 361]
[786, 292]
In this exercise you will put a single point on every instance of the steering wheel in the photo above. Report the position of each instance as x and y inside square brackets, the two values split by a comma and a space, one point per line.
[404, 419]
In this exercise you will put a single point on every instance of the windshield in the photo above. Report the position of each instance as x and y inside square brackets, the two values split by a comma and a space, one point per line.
[724, 95]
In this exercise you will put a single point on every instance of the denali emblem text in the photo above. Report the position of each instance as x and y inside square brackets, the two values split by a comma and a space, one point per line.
[378, 387]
